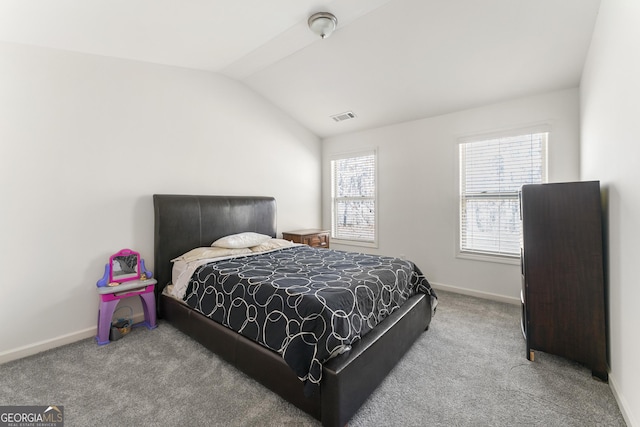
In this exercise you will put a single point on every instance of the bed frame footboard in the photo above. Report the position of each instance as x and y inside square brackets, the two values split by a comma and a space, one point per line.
[348, 380]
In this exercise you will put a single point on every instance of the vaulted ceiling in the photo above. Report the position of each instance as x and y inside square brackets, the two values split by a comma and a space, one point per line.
[389, 61]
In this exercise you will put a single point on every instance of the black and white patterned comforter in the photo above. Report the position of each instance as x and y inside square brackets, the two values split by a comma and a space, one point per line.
[305, 303]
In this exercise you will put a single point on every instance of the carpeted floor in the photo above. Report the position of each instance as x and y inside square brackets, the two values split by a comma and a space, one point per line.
[468, 369]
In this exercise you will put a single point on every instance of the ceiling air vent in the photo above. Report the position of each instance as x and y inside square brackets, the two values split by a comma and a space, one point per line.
[343, 116]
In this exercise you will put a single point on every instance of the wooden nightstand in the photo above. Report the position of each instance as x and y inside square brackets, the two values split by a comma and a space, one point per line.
[312, 237]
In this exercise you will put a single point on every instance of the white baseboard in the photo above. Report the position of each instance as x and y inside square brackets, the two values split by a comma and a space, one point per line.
[41, 346]
[475, 293]
[622, 404]
[31, 349]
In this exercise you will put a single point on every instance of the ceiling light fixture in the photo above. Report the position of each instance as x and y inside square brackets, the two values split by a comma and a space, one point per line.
[323, 23]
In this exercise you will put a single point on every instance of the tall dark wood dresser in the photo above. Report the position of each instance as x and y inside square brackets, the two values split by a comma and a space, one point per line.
[563, 296]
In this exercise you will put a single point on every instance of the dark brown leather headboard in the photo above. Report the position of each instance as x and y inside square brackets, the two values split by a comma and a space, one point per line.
[184, 222]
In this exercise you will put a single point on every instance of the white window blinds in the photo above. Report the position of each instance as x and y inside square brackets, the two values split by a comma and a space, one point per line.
[492, 171]
[353, 182]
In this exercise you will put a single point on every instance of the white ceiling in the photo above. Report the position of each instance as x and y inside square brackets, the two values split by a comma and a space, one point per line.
[389, 60]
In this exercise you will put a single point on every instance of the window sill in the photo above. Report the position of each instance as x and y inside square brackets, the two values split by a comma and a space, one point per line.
[500, 259]
[354, 243]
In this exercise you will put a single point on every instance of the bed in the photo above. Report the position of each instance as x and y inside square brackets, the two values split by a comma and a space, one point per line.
[185, 222]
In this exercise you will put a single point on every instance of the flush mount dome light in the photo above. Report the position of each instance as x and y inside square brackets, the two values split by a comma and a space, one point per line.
[323, 23]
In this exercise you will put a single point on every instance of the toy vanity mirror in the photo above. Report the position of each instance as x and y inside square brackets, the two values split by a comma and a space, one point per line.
[125, 266]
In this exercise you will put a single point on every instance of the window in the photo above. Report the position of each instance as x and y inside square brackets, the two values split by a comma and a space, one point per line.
[353, 198]
[492, 171]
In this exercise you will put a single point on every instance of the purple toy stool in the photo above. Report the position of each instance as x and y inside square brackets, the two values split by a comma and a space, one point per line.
[110, 296]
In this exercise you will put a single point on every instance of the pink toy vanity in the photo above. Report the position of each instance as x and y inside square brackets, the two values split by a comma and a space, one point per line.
[124, 276]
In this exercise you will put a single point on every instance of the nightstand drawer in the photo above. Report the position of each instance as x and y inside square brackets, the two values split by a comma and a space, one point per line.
[312, 237]
[317, 240]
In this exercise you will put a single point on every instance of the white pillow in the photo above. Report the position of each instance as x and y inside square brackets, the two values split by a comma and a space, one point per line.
[241, 240]
[272, 244]
[209, 252]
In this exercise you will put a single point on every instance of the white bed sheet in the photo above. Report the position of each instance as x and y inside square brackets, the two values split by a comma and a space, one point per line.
[183, 270]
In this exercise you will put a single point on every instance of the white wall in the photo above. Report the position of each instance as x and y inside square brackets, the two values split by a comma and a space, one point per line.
[84, 143]
[417, 197]
[610, 110]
